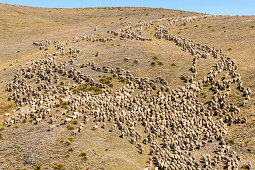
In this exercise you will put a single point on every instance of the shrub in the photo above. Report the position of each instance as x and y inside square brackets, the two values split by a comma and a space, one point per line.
[206, 84]
[70, 127]
[67, 143]
[50, 115]
[252, 26]
[16, 127]
[83, 154]
[64, 105]
[110, 85]
[1, 128]
[37, 167]
[204, 95]
[160, 63]
[231, 141]
[245, 166]
[229, 49]
[74, 122]
[24, 121]
[122, 80]
[67, 155]
[58, 166]
[154, 95]
[173, 64]
[70, 149]
[1, 135]
[85, 158]
[154, 58]
[70, 139]
[57, 105]
[207, 102]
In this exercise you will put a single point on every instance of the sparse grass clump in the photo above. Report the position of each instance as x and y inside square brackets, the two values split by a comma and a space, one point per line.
[58, 166]
[70, 127]
[64, 105]
[106, 80]
[154, 95]
[160, 63]
[1, 128]
[206, 85]
[231, 141]
[57, 105]
[204, 95]
[154, 58]
[122, 80]
[74, 122]
[229, 49]
[173, 64]
[37, 167]
[85, 158]
[67, 143]
[245, 166]
[83, 154]
[24, 121]
[70, 149]
[70, 139]
[207, 102]
[67, 155]
[88, 87]
[1, 136]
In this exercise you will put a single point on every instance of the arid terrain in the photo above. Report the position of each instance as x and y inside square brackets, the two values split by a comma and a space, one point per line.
[126, 88]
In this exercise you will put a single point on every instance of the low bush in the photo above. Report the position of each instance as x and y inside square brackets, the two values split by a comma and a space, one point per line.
[58, 166]
[70, 127]
[173, 64]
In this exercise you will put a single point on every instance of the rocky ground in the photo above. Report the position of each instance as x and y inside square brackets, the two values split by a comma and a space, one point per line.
[125, 88]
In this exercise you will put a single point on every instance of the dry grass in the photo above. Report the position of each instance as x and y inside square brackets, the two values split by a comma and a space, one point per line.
[20, 26]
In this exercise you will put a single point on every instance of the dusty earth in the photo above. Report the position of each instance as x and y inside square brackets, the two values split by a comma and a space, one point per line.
[21, 26]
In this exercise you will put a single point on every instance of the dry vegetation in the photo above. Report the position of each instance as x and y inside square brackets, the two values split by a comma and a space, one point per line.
[94, 149]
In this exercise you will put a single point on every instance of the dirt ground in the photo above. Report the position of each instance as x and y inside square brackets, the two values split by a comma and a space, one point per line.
[20, 26]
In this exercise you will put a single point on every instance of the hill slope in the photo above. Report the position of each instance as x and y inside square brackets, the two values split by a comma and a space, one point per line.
[125, 88]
